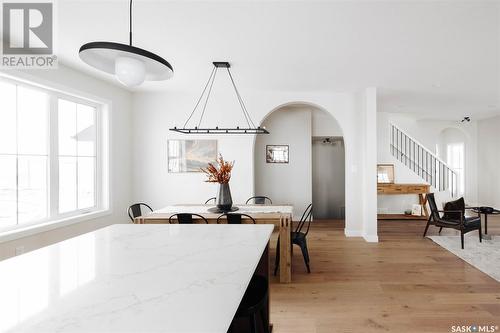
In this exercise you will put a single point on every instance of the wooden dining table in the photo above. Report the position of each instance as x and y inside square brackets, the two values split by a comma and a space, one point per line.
[278, 215]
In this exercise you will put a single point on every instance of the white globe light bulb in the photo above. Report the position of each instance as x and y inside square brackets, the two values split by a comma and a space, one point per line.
[129, 71]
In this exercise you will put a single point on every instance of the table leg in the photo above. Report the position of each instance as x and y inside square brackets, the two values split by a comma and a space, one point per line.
[285, 249]
[485, 235]
[423, 202]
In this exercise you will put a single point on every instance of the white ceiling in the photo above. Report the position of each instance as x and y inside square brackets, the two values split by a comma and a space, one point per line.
[435, 58]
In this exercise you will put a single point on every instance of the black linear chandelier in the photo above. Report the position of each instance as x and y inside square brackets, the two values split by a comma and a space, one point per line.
[131, 65]
[251, 129]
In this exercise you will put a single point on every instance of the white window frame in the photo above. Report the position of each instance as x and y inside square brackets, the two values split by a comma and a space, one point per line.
[460, 172]
[54, 110]
[102, 184]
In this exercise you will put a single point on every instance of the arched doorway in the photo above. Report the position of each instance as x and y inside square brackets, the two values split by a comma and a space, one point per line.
[309, 165]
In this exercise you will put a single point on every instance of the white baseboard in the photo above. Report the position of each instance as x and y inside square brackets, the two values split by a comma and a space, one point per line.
[353, 233]
[357, 233]
[371, 238]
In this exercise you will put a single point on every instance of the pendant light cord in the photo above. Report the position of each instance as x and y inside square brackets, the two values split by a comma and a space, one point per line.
[130, 24]
[210, 83]
[199, 99]
[208, 96]
[243, 107]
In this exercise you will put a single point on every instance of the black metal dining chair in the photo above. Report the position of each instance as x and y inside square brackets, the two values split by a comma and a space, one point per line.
[211, 199]
[454, 219]
[298, 237]
[186, 218]
[235, 218]
[259, 200]
[135, 210]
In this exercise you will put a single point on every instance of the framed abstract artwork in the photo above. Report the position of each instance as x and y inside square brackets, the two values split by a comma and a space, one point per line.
[385, 173]
[190, 155]
[277, 154]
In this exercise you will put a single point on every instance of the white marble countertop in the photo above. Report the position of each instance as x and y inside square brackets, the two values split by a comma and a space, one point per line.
[133, 278]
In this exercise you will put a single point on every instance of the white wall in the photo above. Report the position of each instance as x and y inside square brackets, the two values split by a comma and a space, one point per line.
[155, 113]
[290, 182]
[368, 126]
[293, 125]
[427, 132]
[120, 160]
[489, 166]
[323, 124]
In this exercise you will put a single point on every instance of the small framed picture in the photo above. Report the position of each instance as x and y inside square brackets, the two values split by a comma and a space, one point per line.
[277, 154]
[385, 173]
[416, 210]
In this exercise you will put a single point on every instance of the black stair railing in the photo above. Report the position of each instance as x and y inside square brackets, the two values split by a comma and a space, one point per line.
[422, 161]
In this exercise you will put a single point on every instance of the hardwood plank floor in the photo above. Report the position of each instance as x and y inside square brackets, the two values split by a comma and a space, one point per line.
[404, 283]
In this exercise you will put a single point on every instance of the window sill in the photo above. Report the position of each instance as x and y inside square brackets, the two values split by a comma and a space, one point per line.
[51, 225]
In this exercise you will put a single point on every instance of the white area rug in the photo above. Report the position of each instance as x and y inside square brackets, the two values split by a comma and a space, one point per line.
[484, 256]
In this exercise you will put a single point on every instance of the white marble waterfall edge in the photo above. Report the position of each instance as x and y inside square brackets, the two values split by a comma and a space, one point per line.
[142, 278]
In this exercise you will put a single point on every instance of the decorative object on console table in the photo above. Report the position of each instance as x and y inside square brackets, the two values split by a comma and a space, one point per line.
[190, 155]
[385, 173]
[277, 154]
[416, 210]
[221, 174]
[392, 189]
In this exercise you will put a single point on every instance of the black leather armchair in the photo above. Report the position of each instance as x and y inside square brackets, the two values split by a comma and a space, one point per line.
[460, 222]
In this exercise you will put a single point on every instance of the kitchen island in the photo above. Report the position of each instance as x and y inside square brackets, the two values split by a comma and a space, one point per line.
[134, 278]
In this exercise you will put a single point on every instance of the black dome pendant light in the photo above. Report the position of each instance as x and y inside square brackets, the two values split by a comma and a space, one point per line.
[131, 65]
[251, 129]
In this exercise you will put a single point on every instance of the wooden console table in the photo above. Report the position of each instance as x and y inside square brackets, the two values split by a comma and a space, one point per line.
[392, 189]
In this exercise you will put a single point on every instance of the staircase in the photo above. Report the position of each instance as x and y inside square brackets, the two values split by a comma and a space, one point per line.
[422, 161]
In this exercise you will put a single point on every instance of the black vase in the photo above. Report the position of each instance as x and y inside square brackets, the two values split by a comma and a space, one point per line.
[224, 200]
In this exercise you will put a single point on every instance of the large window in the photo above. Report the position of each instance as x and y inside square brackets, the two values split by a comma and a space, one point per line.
[49, 155]
[77, 156]
[455, 159]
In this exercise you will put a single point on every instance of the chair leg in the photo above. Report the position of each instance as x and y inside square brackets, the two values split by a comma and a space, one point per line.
[305, 253]
[462, 238]
[480, 233]
[277, 259]
[427, 227]
[253, 323]
[265, 323]
[440, 230]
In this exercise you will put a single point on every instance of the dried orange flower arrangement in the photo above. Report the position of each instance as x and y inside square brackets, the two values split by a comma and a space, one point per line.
[220, 173]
